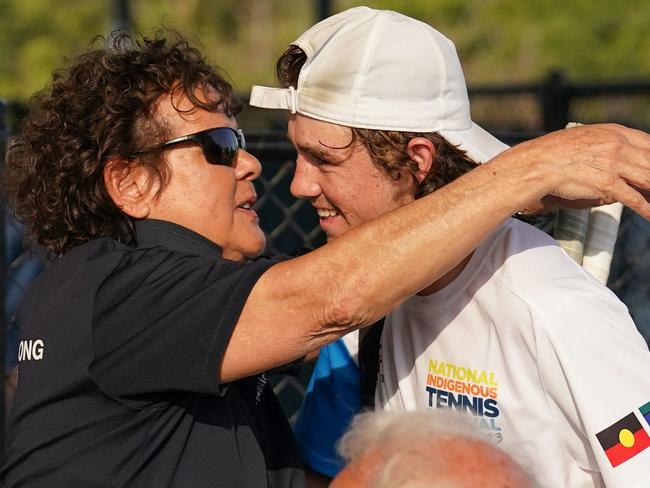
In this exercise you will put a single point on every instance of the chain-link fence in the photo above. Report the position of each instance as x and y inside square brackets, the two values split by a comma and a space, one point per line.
[630, 271]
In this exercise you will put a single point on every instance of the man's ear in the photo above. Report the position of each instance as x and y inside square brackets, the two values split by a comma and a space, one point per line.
[422, 151]
[129, 187]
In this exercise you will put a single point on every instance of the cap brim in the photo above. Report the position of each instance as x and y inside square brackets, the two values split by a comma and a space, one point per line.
[479, 144]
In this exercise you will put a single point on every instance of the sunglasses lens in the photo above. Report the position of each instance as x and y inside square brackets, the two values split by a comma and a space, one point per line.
[220, 146]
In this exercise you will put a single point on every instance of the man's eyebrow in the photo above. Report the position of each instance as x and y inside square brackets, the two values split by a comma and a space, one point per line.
[320, 152]
[314, 151]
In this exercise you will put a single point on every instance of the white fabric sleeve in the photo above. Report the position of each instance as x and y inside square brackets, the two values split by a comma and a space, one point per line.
[595, 367]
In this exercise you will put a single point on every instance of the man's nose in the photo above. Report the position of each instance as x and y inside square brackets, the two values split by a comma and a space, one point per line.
[305, 182]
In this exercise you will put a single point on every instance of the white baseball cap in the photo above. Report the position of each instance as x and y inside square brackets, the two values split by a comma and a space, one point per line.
[377, 69]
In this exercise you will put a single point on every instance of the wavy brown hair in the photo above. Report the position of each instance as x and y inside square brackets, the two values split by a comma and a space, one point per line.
[100, 106]
[388, 149]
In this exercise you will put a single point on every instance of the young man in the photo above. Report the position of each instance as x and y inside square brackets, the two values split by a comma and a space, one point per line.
[516, 335]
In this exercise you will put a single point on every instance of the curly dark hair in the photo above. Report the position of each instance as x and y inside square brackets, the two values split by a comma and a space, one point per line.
[99, 107]
[387, 149]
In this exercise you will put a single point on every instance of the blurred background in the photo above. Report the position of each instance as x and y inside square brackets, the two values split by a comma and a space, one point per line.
[531, 67]
[498, 40]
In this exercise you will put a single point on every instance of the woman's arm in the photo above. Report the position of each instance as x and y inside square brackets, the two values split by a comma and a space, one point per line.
[307, 302]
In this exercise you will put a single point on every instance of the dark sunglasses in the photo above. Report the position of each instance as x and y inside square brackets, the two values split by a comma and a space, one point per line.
[219, 144]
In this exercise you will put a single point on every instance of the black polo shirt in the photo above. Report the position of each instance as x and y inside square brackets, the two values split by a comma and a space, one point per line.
[117, 376]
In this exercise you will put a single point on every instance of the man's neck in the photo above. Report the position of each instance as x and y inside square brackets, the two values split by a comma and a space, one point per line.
[446, 279]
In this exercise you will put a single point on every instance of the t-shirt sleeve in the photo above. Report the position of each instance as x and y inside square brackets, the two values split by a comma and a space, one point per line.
[162, 321]
[594, 366]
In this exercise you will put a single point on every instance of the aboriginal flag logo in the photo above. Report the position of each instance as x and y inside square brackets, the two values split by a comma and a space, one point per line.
[624, 439]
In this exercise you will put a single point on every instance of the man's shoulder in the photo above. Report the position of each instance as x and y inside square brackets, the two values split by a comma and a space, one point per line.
[527, 259]
[517, 241]
[532, 266]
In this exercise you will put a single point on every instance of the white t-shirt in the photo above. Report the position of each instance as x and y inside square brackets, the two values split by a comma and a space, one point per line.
[538, 352]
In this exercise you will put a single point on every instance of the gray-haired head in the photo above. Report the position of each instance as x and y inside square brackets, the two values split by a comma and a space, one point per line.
[424, 449]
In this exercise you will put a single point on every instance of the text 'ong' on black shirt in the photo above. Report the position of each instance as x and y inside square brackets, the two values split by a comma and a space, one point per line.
[117, 375]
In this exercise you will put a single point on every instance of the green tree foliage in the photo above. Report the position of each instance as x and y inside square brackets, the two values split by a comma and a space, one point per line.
[244, 37]
[521, 40]
[498, 40]
[36, 34]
